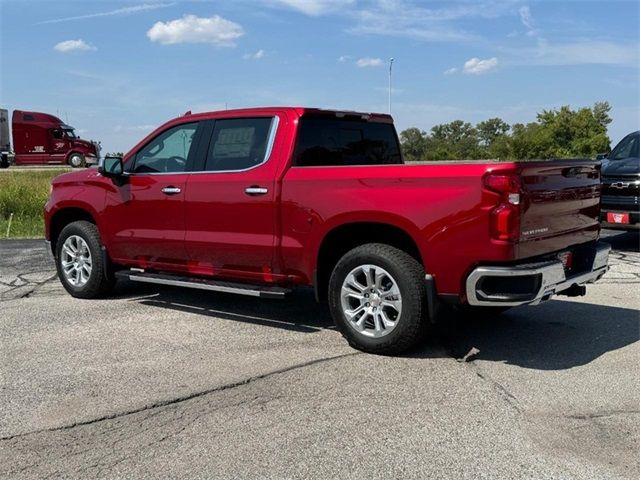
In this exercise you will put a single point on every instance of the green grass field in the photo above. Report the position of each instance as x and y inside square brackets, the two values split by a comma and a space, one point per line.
[24, 193]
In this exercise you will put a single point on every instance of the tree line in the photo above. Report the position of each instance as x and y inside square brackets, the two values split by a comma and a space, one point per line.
[561, 133]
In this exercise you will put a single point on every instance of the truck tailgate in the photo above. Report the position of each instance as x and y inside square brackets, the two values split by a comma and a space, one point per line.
[560, 205]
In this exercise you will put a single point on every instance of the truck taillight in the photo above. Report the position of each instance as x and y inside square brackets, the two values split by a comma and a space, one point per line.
[505, 217]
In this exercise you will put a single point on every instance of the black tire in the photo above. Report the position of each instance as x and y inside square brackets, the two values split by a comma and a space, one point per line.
[76, 160]
[100, 282]
[409, 276]
[4, 161]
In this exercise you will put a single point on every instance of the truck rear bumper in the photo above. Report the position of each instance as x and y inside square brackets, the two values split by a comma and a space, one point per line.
[532, 283]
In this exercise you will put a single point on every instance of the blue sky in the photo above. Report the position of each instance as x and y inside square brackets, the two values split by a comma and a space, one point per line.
[117, 69]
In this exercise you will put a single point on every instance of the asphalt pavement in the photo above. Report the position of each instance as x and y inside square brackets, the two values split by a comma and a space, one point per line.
[164, 382]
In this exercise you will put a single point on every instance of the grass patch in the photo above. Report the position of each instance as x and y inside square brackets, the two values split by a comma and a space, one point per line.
[24, 193]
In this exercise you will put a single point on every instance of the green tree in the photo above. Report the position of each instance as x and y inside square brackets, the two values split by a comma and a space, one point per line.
[413, 143]
[491, 130]
[558, 133]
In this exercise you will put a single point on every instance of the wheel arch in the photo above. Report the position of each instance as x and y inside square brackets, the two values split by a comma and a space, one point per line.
[64, 217]
[344, 237]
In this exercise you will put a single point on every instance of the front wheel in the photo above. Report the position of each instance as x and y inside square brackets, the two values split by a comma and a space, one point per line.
[79, 261]
[378, 299]
[76, 160]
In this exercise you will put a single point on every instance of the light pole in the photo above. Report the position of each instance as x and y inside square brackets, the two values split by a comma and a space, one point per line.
[390, 67]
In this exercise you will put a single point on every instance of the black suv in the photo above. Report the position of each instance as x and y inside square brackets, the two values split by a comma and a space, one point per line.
[621, 185]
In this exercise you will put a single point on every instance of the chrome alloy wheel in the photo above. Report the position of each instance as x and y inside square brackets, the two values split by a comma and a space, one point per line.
[371, 301]
[76, 261]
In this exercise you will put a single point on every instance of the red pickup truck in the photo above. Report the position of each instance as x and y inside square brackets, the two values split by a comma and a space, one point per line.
[259, 201]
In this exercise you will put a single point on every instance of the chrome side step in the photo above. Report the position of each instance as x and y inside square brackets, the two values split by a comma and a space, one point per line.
[262, 291]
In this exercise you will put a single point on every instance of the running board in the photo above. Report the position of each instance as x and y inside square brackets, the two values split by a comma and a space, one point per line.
[262, 291]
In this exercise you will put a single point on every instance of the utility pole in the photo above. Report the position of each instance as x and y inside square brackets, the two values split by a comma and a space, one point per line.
[390, 67]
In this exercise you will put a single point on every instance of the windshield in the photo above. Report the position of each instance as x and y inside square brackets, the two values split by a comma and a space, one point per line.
[628, 147]
[69, 133]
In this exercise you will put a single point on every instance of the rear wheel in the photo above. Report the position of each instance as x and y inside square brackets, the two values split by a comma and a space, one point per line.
[79, 261]
[76, 160]
[377, 298]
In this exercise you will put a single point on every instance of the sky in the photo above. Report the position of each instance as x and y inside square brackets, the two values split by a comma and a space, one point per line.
[117, 69]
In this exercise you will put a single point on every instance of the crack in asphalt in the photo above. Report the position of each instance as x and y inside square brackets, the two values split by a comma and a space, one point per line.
[501, 390]
[181, 399]
[593, 416]
[30, 285]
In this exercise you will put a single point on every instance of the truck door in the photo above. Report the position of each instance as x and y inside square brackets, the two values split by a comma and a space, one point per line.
[59, 143]
[231, 201]
[145, 215]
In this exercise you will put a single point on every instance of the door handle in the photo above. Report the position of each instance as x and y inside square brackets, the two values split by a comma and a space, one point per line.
[255, 190]
[171, 190]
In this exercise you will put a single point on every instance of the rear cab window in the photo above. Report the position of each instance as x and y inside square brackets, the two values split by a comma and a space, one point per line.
[239, 144]
[325, 140]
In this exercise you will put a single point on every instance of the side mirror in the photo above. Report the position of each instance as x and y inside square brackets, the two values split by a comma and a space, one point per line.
[602, 156]
[111, 167]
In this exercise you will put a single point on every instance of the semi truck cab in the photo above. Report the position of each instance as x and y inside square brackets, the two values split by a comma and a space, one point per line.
[44, 139]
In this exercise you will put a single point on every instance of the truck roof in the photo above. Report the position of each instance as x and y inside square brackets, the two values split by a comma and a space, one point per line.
[376, 117]
[20, 116]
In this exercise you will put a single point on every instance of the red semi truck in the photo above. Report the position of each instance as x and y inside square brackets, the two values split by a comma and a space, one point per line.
[259, 201]
[43, 139]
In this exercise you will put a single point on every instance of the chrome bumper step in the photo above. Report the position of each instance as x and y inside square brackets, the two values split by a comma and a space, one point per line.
[262, 291]
[547, 278]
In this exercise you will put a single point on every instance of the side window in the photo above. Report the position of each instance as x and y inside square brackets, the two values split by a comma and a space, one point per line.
[328, 141]
[168, 152]
[239, 143]
[627, 148]
[57, 134]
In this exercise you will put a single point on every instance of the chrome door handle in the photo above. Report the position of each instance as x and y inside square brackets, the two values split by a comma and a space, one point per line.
[256, 190]
[171, 190]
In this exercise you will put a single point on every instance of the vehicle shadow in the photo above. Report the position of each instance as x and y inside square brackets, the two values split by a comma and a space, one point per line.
[622, 241]
[554, 336]
[299, 312]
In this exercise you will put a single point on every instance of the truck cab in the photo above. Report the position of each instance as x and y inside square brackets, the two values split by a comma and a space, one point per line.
[260, 201]
[43, 139]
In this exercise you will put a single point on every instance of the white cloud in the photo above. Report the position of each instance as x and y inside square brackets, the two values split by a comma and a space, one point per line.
[525, 17]
[73, 46]
[369, 62]
[254, 56]
[401, 18]
[134, 128]
[316, 7]
[586, 52]
[120, 11]
[344, 58]
[475, 66]
[404, 18]
[191, 29]
[527, 20]
[450, 71]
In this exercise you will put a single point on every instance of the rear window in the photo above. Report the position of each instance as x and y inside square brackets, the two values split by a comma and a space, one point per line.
[328, 141]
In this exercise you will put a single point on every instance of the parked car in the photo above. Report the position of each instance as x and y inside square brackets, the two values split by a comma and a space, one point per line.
[43, 139]
[621, 185]
[259, 201]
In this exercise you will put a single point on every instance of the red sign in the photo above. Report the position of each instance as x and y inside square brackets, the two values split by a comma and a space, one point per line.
[614, 217]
